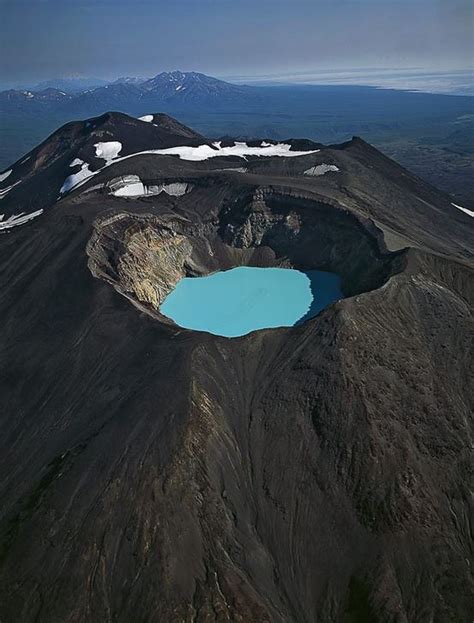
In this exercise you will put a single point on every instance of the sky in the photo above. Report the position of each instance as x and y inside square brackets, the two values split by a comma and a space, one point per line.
[43, 39]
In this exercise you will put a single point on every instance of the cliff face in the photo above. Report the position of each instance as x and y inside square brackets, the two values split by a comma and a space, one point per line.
[150, 261]
[314, 473]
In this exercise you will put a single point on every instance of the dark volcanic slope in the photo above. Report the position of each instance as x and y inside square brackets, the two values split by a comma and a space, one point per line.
[36, 179]
[317, 473]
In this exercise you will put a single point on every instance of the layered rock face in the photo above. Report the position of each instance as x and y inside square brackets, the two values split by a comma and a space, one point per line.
[152, 258]
[314, 473]
[144, 257]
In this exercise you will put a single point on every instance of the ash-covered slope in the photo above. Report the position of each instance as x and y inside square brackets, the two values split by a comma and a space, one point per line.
[315, 473]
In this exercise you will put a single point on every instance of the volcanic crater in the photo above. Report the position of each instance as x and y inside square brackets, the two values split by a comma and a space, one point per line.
[311, 473]
[145, 256]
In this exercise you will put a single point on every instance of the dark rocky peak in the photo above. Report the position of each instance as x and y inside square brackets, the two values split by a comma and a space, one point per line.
[174, 78]
[355, 141]
[167, 123]
[301, 144]
[134, 135]
[80, 148]
[185, 85]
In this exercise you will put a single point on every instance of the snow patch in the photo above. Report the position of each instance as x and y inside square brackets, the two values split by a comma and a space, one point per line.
[135, 189]
[3, 176]
[176, 189]
[5, 191]
[132, 186]
[17, 219]
[235, 169]
[77, 178]
[239, 149]
[321, 169]
[146, 118]
[469, 212]
[108, 151]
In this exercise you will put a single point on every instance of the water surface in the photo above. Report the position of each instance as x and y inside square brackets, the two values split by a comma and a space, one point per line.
[235, 302]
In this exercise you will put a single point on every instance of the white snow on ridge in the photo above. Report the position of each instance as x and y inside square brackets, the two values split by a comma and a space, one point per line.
[176, 189]
[321, 169]
[132, 189]
[146, 118]
[132, 186]
[4, 192]
[108, 151]
[239, 149]
[3, 176]
[469, 212]
[17, 219]
[235, 169]
[77, 178]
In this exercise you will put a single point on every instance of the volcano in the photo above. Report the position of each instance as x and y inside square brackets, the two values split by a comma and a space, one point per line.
[318, 472]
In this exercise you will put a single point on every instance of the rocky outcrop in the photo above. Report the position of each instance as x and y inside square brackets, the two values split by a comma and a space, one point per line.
[152, 264]
[146, 263]
[321, 169]
[132, 186]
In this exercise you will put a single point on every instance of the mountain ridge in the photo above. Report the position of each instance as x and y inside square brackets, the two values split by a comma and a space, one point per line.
[426, 133]
[165, 85]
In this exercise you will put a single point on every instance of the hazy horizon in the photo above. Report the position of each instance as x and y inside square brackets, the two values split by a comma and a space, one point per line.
[455, 82]
[244, 39]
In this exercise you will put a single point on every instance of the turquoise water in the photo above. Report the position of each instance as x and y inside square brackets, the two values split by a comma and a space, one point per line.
[238, 301]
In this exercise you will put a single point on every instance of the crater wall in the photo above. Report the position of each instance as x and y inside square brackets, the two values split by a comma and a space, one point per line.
[144, 256]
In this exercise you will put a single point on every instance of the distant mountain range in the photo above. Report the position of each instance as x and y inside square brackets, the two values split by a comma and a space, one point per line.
[177, 88]
[70, 85]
